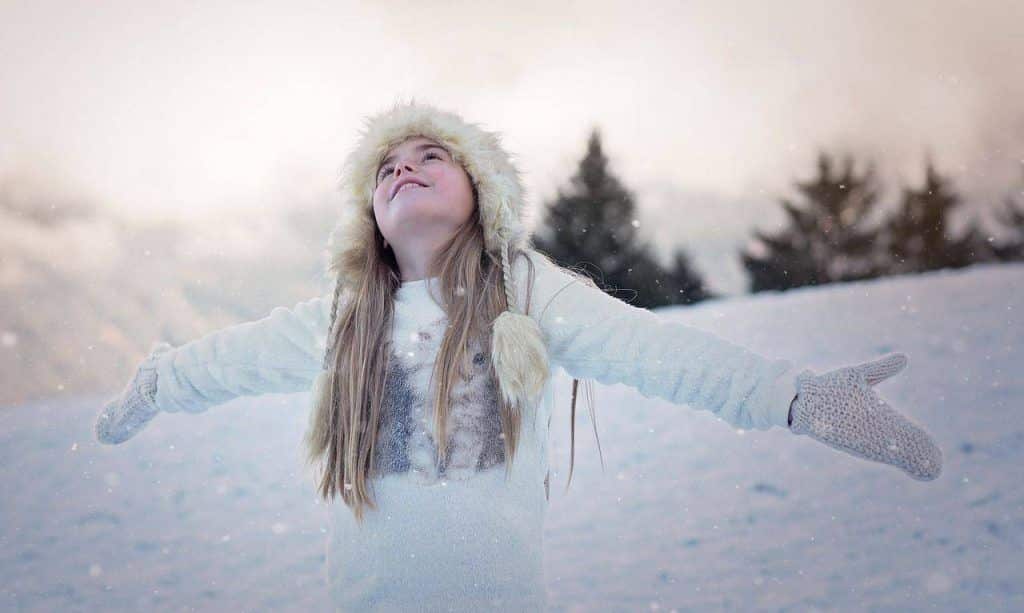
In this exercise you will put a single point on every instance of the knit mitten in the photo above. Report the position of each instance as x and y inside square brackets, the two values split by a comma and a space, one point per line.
[124, 416]
[841, 409]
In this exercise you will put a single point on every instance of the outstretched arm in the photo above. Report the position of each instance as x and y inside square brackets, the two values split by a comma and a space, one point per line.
[278, 353]
[591, 334]
[281, 352]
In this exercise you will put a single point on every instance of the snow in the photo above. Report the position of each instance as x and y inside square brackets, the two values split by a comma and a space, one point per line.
[215, 511]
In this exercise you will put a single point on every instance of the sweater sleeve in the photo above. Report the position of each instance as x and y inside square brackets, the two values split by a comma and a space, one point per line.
[593, 335]
[281, 352]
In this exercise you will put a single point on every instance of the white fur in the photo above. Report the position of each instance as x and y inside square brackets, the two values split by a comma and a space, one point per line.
[520, 358]
[518, 349]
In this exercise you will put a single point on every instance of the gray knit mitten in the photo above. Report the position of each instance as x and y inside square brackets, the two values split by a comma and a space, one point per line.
[124, 416]
[841, 409]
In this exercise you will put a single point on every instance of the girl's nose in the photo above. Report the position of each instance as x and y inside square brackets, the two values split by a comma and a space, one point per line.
[402, 167]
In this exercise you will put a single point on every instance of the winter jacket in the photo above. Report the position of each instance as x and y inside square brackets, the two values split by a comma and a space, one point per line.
[455, 535]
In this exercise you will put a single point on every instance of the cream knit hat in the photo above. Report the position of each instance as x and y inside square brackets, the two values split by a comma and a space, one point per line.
[517, 349]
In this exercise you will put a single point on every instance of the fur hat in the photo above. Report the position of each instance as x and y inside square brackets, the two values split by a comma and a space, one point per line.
[517, 350]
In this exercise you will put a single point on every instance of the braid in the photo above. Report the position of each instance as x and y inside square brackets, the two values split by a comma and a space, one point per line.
[506, 271]
[334, 314]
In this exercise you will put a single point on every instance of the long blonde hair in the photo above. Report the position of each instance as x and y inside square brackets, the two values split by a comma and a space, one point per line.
[344, 427]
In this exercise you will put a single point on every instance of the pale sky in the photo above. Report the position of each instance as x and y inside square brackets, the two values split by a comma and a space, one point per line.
[709, 109]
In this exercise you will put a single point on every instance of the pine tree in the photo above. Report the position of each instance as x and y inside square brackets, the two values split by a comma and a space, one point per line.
[1012, 218]
[687, 284]
[678, 284]
[825, 241]
[919, 237]
[593, 223]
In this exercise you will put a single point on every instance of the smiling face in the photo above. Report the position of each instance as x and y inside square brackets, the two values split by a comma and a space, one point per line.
[417, 219]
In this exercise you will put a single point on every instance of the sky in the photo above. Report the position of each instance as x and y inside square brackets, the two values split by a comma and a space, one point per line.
[709, 110]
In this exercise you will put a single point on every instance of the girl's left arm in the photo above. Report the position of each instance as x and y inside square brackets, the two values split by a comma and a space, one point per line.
[593, 335]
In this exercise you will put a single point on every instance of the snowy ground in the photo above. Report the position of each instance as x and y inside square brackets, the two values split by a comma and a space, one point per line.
[211, 512]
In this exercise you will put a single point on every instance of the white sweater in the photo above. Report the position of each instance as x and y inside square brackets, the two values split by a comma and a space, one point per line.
[456, 535]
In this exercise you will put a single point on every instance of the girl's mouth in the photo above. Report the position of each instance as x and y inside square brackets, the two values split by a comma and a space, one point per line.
[407, 186]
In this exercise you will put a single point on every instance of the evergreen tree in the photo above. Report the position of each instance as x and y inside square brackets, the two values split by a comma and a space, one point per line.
[825, 241]
[1011, 217]
[678, 284]
[919, 236]
[594, 223]
[687, 283]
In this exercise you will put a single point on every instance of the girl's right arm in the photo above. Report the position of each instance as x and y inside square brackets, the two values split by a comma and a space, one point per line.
[282, 352]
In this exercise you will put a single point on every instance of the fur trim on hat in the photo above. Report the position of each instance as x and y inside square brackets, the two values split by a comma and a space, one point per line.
[517, 348]
[497, 180]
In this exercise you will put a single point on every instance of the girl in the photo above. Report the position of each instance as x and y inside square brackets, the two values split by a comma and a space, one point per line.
[430, 367]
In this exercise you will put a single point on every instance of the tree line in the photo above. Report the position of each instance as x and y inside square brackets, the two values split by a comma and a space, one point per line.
[591, 226]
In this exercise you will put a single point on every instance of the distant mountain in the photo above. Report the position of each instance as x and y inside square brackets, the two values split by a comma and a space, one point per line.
[86, 294]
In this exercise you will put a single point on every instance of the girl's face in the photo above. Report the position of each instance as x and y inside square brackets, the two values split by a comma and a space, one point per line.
[417, 219]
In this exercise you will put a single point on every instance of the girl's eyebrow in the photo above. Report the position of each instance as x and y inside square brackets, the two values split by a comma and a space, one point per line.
[418, 148]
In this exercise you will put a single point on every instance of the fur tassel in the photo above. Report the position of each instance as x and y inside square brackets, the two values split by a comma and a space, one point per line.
[520, 358]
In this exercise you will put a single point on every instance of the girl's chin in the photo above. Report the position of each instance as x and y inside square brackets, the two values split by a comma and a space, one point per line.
[416, 205]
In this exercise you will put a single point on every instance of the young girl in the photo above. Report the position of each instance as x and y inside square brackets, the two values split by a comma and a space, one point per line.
[430, 368]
